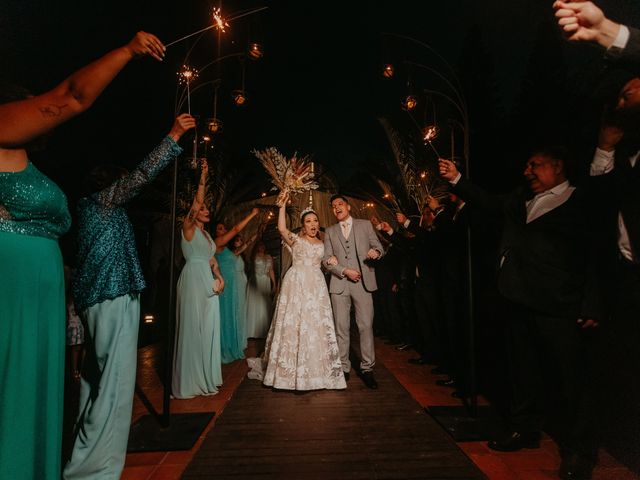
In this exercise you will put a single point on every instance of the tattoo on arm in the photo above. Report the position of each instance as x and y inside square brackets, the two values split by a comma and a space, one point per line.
[52, 110]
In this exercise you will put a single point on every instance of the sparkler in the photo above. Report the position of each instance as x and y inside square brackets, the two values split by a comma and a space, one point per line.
[185, 76]
[429, 133]
[219, 22]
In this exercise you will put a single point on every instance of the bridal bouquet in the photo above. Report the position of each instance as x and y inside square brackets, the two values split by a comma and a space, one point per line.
[293, 174]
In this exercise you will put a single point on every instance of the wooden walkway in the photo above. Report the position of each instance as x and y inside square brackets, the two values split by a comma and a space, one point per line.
[352, 434]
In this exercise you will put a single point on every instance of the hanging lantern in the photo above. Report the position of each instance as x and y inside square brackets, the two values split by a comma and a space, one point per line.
[409, 103]
[388, 70]
[255, 51]
[239, 97]
[214, 125]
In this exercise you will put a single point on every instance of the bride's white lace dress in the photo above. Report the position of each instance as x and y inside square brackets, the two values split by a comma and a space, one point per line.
[301, 352]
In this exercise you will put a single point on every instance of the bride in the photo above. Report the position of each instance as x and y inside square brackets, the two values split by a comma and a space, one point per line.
[301, 352]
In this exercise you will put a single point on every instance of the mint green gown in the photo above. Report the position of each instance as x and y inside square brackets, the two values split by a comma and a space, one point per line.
[196, 356]
[231, 342]
[33, 214]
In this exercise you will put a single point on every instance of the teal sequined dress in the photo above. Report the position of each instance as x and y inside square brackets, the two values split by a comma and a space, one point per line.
[33, 214]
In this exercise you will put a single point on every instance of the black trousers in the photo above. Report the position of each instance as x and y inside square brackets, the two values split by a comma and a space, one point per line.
[545, 351]
[430, 341]
[620, 360]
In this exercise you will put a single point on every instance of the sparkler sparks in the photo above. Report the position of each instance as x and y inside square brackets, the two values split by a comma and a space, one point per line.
[219, 21]
[186, 75]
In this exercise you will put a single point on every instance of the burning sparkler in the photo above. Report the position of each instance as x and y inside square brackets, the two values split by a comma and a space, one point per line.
[186, 75]
[219, 22]
[430, 133]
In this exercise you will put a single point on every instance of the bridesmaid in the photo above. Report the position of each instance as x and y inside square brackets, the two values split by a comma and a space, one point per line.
[33, 214]
[196, 359]
[238, 246]
[232, 343]
[260, 287]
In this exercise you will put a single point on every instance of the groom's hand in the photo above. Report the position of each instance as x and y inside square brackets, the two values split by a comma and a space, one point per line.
[353, 275]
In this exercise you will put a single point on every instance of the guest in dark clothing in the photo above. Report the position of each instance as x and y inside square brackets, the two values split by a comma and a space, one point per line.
[615, 176]
[387, 321]
[453, 292]
[545, 275]
[424, 241]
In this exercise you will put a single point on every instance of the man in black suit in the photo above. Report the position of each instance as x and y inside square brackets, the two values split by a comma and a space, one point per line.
[585, 22]
[615, 176]
[545, 276]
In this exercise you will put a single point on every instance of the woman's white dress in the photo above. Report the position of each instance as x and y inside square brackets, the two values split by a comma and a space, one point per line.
[301, 351]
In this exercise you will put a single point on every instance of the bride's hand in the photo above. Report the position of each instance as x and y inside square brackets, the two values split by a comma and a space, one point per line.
[332, 260]
[283, 198]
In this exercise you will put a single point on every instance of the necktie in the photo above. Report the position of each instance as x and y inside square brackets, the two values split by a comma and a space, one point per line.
[345, 229]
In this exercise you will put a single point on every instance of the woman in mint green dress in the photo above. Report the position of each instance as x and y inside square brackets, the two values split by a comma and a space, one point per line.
[232, 330]
[196, 357]
[33, 214]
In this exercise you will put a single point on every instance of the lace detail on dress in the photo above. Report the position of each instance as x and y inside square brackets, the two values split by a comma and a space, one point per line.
[301, 351]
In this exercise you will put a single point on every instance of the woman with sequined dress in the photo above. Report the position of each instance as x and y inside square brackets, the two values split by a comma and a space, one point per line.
[197, 360]
[106, 291]
[33, 214]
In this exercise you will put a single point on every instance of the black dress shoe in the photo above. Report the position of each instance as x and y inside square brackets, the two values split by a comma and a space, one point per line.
[403, 347]
[439, 371]
[516, 441]
[369, 381]
[577, 467]
[418, 361]
[461, 394]
[347, 375]
[450, 382]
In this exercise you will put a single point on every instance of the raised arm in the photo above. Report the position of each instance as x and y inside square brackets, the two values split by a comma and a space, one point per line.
[24, 120]
[286, 235]
[222, 240]
[468, 191]
[124, 189]
[189, 224]
[245, 245]
[585, 22]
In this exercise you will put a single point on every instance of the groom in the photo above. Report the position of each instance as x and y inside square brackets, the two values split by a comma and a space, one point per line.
[349, 247]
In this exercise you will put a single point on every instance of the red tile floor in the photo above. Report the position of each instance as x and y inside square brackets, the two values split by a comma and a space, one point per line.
[541, 464]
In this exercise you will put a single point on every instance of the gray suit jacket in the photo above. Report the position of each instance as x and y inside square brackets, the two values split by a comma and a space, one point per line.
[334, 245]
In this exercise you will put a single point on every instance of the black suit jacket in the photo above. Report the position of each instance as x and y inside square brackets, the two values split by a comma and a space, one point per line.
[546, 265]
[628, 56]
[619, 191]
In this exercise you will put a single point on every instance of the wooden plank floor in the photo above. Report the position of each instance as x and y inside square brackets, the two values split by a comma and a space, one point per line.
[352, 434]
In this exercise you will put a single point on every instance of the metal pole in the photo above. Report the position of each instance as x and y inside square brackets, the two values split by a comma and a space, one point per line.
[166, 397]
[473, 387]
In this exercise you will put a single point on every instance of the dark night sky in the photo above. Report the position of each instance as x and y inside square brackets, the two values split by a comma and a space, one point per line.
[318, 89]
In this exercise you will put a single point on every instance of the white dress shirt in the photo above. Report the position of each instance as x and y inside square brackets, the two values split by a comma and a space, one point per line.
[622, 38]
[543, 202]
[548, 200]
[603, 162]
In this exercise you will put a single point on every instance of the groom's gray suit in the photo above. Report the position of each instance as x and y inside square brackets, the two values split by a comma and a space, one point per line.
[352, 253]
